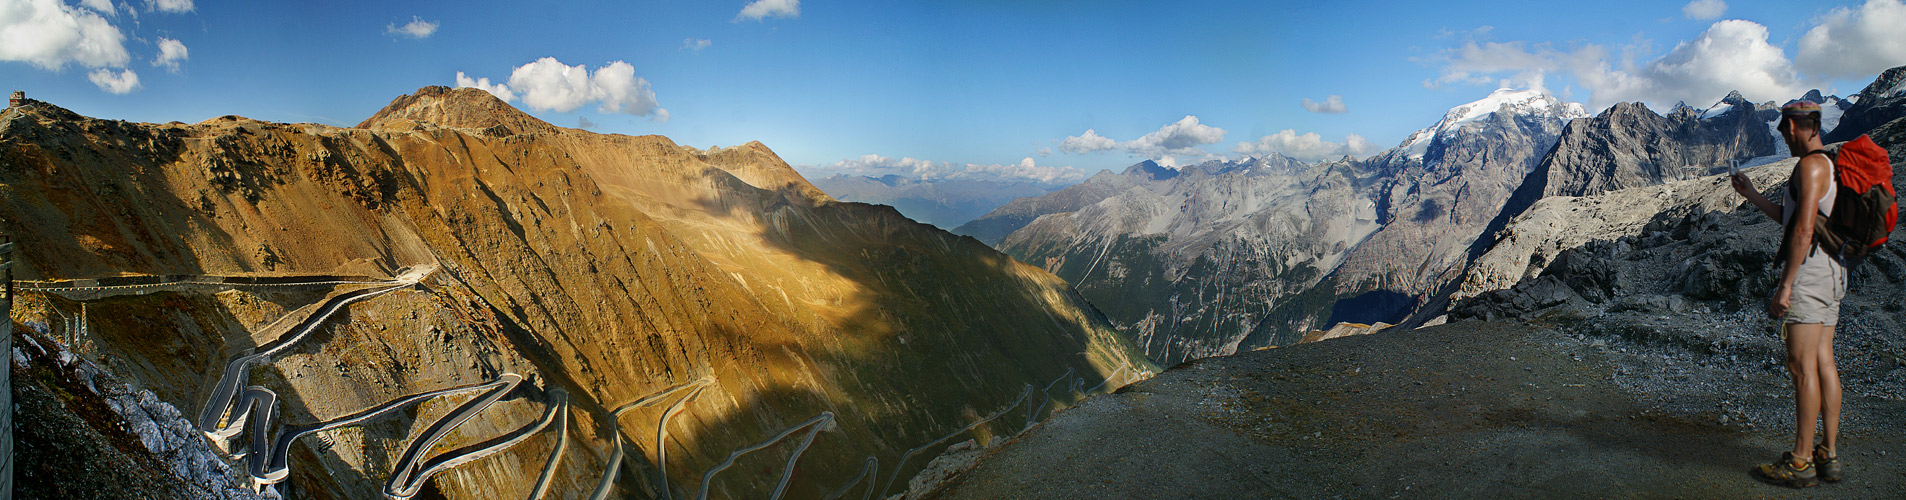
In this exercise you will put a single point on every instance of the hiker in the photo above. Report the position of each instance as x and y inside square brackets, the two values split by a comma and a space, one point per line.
[1807, 301]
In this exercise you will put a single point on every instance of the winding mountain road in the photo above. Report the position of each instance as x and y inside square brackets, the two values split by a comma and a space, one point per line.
[614, 465]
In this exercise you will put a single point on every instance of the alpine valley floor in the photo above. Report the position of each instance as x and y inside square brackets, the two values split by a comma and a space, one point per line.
[1480, 409]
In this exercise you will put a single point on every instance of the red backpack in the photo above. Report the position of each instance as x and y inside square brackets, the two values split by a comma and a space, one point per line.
[1864, 207]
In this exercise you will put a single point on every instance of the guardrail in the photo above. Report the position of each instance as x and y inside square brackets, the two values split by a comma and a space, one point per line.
[6, 376]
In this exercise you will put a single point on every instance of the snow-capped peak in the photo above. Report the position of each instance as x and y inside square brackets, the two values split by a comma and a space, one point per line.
[1518, 102]
[1726, 105]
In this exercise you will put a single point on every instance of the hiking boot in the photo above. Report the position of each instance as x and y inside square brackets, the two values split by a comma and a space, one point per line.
[1784, 473]
[1829, 467]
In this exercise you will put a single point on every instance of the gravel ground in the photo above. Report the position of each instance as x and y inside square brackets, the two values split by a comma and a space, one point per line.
[1466, 410]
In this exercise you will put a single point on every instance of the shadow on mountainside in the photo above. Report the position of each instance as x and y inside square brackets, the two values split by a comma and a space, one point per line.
[1464, 410]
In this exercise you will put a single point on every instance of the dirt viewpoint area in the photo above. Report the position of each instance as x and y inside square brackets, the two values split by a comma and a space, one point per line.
[1464, 410]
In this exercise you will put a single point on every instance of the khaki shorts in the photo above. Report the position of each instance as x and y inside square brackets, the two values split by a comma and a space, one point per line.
[1817, 291]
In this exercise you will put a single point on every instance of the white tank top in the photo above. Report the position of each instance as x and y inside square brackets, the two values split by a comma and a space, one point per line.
[1793, 197]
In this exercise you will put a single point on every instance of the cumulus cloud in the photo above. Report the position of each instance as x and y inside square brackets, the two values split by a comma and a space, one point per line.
[1180, 138]
[1729, 55]
[696, 44]
[1307, 146]
[1704, 9]
[1177, 139]
[416, 28]
[1849, 43]
[499, 90]
[171, 53]
[548, 84]
[759, 9]
[1024, 170]
[103, 6]
[118, 83]
[1090, 142]
[49, 34]
[1332, 105]
[173, 6]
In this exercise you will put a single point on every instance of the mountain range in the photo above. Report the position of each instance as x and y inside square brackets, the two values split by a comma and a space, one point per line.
[1210, 260]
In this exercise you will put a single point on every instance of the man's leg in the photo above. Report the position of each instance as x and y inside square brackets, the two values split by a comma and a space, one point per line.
[1829, 391]
[1803, 361]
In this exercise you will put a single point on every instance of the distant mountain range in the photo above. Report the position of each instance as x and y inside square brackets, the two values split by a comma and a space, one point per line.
[944, 203]
[1213, 258]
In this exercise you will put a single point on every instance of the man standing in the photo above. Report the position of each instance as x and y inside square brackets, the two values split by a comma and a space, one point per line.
[1807, 301]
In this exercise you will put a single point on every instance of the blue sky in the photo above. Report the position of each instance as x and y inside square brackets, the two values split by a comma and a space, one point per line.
[980, 89]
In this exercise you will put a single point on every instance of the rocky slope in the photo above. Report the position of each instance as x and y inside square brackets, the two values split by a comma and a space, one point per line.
[608, 266]
[946, 203]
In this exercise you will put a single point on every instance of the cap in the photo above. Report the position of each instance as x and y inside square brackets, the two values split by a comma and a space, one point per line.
[1800, 108]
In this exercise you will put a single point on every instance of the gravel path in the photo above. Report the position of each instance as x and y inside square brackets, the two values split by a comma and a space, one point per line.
[1465, 410]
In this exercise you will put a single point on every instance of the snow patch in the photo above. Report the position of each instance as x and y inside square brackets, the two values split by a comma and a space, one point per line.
[1717, 111]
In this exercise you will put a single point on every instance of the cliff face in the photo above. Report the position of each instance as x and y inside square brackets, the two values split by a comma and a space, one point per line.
[608, 266]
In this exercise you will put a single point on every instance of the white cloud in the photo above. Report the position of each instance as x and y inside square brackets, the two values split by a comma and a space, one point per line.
[499, 90]
[1090, 142]
[759, 9]
[1307, 147]
[1180, 138]
[1856, 43]
[174, 6]
[548, 84]
[1729, 55]
[416, 28]
[875, 165]
[620, 91]
[124, 82]
[103, 6]
[1704, 9]
[49, 34]
[1332, 105]
[171, 53]
[696, 44]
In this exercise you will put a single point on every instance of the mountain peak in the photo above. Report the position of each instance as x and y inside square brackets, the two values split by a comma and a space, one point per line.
[1532, 101]
[468, 108]
[1152, 170]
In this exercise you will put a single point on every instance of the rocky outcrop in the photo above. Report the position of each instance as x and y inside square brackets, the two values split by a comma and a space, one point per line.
[607, 266]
